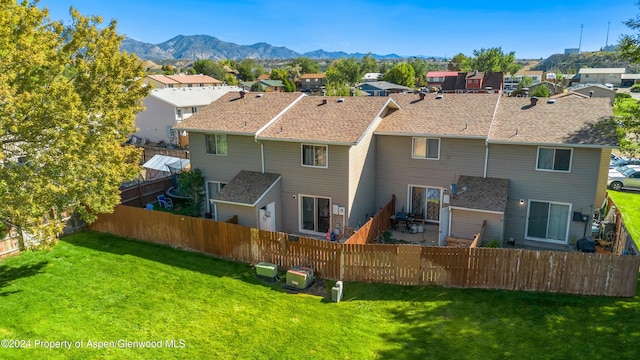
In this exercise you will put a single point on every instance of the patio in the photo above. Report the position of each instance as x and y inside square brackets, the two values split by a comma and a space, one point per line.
[429, 237]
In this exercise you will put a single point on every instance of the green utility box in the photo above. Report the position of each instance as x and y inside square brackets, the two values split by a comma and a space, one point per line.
[300, 278]
[267, 271]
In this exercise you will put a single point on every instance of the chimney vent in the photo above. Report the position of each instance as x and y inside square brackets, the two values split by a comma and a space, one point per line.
[534, 101]
[422, 95]
[591, 93]
[242, 94]
[324, 101]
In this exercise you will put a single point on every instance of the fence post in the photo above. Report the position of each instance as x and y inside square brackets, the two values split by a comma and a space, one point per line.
[341, 278]
[255, 248]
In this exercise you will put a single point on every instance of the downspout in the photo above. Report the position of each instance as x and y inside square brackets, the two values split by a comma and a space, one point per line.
[486, 142]
[262, 156]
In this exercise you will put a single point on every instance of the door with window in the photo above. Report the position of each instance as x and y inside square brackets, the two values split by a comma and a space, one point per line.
[213, 188]
[425, 202]
[315, 215]
[548, 221]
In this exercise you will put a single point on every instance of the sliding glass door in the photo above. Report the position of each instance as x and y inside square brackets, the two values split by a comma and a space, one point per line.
[314, 213]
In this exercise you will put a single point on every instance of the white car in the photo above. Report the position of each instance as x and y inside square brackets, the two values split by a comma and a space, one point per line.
[622, 169]
[629, 179]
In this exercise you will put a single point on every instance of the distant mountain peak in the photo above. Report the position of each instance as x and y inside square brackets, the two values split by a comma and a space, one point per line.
[192, 47]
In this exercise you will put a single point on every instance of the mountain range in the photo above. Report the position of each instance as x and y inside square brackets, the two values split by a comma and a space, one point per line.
[194, 47]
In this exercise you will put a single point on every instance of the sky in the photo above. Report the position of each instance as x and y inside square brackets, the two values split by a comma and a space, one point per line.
[532, 29]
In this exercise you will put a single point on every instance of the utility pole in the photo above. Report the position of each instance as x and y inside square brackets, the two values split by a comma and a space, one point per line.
[580, 43]
[606, 44]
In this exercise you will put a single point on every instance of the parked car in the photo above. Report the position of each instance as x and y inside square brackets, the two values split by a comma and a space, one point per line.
[622, 169]
[629, 179]
[622, 162]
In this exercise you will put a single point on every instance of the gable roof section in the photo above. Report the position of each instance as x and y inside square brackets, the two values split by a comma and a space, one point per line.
[441, 73]
[272, 83]
[195, 96]
[567, 121]
[194, 79]
[247, 187]
[384, 85]
[313, 76]
[484, 194]
[232, 114]
[162, 79]
[454, 115]
[336, 122]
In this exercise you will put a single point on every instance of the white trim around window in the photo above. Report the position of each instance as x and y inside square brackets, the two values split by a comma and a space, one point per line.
[548, 221]
[314, 214]
[216, 144]
[554, 159]
[425, 148]
[314, 155]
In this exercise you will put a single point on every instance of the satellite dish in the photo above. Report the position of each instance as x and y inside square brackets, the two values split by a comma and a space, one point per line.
[454, 189]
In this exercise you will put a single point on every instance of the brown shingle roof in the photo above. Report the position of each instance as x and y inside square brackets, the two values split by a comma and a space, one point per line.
[460, 115]
[568, 121]
[342, 122]
[247, 187]
[233, 114]
[194, 79]
[162, 79]
[488, 194]
[313, 76]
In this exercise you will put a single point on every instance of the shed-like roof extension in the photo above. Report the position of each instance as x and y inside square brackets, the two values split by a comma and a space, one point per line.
[338, 121]
[191, 96]
[446, 115]
[566, 121]
[485, 194]
[234, 114]
[247, 187]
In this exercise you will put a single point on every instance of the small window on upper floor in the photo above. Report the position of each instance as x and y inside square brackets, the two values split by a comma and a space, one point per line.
[426, 148]
[194, 109]
[554, 159]
[217, 144]
[315, 155]
[179, 114]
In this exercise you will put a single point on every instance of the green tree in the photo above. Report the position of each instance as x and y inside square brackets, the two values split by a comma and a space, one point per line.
[167, 69]
[540, 91]
[69, 103]
[368, 64]
[229, 79]
[289, 86]
[494, 60]
[344, 71]
[249, 70]
[460, 62]
[191, 184]
[209, 67]
[307, 66]
[401, 74]
[629, 47]
[420, 68]
[257, 87]
[279, 74]
[337, 89]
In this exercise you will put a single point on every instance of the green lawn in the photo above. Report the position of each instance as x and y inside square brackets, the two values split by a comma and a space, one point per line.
[97, 287]
[628, 202]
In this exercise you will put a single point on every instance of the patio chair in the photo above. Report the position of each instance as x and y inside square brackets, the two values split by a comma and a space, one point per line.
[165, 202]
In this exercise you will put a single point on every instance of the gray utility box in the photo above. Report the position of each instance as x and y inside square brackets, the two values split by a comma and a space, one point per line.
[336, 292]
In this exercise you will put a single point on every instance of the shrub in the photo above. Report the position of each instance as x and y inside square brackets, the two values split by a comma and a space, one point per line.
[622, 96]
[495, 243]
[635, 88]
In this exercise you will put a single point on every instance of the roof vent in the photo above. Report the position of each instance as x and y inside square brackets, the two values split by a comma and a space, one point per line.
[341, 100]
[258, 95]
[551, 101]
[438, 97]
[591, 93]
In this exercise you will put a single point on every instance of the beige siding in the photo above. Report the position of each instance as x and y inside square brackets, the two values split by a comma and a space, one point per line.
[396, 169]
[332, 182]
[601, 192]
[465, 224]
[518, 163]
[155, 119]
[243, 154]
[274, 195]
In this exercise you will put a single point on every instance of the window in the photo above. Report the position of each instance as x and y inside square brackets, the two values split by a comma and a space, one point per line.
[314, 155]
[213, 189]
[217, 144]
[548, 221]
[425, 202]
[179, 114]
[194, 109]
[552, 159]
[315, 216]
[170, 85]
[425, 148]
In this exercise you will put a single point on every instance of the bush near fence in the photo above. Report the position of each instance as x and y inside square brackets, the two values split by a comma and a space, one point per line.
[510, 269]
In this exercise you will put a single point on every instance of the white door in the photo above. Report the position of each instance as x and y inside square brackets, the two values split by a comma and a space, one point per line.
[267, 217]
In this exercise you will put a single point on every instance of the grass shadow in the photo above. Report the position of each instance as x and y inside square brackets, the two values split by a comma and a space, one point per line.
[9, 274]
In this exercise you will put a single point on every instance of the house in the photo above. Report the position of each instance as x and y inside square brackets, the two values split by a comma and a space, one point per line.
[601, 75]
[594, 90]
[511, 81]
[164, 108]
[314, 157]
[529, 169]
[179, 81]
[436, 78]
[312, 82]
[628, 80]
[272, 85]
[473, 82]
[383, 88]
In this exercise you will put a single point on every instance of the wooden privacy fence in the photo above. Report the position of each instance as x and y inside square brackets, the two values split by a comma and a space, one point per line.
[490, 268]
[144, 193]
[380, 222]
